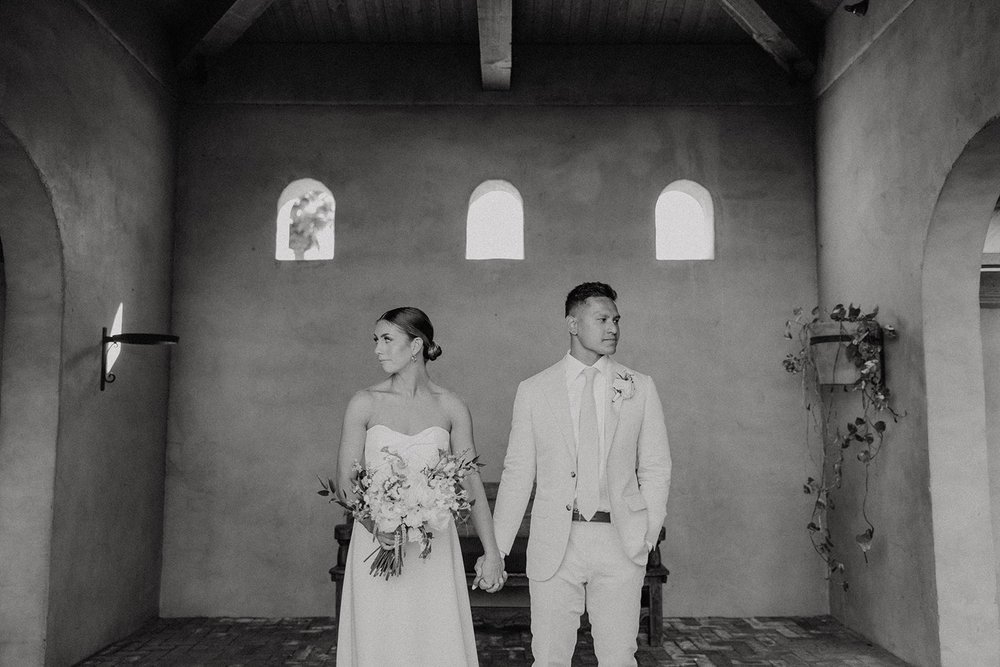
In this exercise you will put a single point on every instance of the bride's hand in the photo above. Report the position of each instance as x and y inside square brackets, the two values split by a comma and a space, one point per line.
[491, 573]
[386, 540]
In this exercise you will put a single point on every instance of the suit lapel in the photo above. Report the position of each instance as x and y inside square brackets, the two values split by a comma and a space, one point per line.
[612, 411]
[558, 398]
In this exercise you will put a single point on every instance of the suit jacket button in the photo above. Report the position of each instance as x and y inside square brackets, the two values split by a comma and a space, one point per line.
[569, 508]
[572, 474]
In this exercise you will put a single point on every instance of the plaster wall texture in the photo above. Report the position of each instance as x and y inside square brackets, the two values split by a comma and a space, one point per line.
[543, 74]
[99, 129]
[29, 401]
[990, 327]
[889, 129]
[273, 350]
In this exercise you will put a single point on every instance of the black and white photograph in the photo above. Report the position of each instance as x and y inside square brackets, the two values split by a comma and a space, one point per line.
[460, 333]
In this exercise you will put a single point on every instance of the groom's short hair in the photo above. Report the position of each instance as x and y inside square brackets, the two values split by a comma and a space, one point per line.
[579, 294]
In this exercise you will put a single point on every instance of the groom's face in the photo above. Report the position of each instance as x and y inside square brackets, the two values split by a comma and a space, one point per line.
[595, 324]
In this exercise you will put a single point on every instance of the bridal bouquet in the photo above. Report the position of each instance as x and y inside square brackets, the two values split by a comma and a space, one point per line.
[411, 504]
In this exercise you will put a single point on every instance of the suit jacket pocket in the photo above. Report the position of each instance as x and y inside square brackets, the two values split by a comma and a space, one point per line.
[635, 502]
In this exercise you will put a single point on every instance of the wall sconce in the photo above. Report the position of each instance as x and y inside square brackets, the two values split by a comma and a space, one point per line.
[858, 8]
[128, 339]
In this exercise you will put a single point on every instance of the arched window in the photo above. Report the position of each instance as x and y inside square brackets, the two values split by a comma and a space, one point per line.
[304, 227]
[685, 222]
[495, 224]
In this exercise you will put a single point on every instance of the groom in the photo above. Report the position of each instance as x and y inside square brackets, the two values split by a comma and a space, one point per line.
[590, 433]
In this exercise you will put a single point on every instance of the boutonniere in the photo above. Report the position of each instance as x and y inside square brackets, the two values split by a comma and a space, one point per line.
[623, 386]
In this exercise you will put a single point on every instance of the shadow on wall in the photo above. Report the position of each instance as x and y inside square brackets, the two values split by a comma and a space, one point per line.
[29, 400]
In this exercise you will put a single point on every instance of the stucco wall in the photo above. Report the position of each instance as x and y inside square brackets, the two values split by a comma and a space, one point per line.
[890, 125]
[272, 351]
[99, 127]
[990, 324]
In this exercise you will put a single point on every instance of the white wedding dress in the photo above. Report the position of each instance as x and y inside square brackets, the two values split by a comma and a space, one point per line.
[422, 616]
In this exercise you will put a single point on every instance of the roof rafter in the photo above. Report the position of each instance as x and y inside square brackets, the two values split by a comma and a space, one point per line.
[777, 32]
[224, 30]
[495, 19]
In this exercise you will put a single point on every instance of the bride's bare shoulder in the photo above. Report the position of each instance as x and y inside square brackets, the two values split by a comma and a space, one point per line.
[364, 399]
[449, 401]
[383, 387]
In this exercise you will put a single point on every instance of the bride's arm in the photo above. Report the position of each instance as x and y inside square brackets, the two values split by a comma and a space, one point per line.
[352, 447]
[490, 567]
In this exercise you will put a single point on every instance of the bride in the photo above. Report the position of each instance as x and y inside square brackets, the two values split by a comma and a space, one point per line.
[422, 616]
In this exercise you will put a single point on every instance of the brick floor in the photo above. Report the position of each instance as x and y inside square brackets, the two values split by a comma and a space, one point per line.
[503, 640]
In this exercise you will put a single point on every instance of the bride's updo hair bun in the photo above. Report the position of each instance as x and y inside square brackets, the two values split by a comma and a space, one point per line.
[416, 324]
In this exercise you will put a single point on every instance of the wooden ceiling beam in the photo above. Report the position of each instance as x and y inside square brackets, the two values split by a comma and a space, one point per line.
[495, 18]
[777, 32]
[224, 30]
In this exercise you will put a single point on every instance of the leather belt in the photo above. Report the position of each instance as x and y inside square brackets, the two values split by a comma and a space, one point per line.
[599, 517]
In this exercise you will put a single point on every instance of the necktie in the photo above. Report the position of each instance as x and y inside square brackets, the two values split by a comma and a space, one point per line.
[587, 452]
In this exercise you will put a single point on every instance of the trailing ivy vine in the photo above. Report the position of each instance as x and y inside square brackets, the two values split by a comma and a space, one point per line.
[859, 345]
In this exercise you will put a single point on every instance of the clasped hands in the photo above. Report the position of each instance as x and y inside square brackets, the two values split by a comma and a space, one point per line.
[490, 574]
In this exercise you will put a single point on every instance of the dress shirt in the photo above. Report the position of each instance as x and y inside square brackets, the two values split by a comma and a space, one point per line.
[575, 382]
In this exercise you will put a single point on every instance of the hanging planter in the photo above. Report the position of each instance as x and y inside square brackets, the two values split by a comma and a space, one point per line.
[841, 349]
[846, 350]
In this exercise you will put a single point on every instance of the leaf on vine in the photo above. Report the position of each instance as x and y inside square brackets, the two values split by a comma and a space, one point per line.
[838, 312]
[879, 426]
[864, 541]
[812, 527]
[797, 311]
[326, 489]
[853, 312]
[860, 421]
[865, 456]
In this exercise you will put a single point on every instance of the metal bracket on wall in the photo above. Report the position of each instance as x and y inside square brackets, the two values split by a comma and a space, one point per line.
[128, 339]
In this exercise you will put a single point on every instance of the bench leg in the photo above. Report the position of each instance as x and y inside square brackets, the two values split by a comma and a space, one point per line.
[655, 614]
[339, 585]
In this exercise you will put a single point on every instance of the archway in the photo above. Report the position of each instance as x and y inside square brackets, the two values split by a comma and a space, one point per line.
[29, 400]
[964, 551]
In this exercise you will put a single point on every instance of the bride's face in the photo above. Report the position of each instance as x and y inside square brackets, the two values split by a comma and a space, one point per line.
[393, 346]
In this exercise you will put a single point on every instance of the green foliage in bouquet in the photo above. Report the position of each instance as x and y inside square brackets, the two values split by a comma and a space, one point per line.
[409, 504]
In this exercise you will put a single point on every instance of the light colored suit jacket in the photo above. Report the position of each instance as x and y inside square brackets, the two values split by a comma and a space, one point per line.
[542, 449]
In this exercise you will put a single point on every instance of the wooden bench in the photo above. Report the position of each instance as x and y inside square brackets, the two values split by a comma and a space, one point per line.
[651, 613]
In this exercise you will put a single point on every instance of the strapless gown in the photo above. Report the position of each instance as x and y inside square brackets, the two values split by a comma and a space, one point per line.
[422, 616]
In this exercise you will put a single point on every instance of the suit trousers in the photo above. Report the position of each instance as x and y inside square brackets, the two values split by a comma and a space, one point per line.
[595, 575]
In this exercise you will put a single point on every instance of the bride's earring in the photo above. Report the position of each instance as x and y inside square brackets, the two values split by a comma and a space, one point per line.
[413, 358]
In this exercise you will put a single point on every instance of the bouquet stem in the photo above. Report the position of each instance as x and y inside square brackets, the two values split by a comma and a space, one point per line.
[389, 562]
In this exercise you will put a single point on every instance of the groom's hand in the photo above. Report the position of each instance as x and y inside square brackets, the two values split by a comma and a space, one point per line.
[490, 574]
